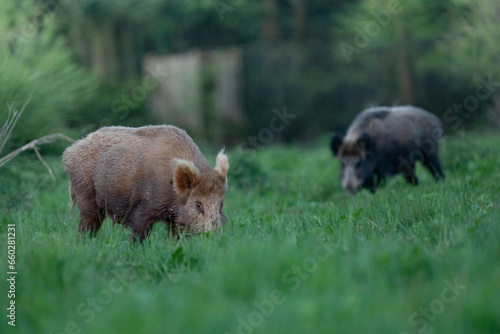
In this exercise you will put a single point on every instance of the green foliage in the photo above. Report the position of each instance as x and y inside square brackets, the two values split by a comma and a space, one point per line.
[402, 36]
[35, 62]
[474, 37]
[246, 171]
[300, 257]
[427, 53]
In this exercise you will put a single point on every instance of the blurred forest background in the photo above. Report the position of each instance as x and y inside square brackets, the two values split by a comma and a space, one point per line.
[230, 66]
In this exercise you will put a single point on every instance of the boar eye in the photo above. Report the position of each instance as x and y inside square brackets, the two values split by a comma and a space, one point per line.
[199, 208]
[358, 164]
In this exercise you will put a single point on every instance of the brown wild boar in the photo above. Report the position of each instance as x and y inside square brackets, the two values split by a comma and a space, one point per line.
[384, 141]
[138, 176]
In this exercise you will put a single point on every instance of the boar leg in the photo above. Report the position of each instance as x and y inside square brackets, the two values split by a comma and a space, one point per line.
[379, 179]
[371, 184]
[141, 230]
[434, 166]
[141, 224]
[91, 220]
[410, 176]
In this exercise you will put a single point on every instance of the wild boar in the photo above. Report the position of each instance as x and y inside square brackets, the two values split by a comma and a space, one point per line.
[385, 141]
[138, 176]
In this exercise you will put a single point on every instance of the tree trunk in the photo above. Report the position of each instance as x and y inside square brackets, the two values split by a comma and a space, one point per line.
[300, 14]
[405, 77]
[129, 66]
[494, 112]
[102, 48]
[270, 29]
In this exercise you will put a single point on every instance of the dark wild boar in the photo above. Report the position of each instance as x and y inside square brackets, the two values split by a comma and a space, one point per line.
[138, 176]
[384, 141]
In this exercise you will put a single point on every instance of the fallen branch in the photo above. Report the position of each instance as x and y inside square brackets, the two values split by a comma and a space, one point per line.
[10, 123]
[33, 146]
[6, 131]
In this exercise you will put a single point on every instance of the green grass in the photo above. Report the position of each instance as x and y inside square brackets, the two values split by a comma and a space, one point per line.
[297, 255]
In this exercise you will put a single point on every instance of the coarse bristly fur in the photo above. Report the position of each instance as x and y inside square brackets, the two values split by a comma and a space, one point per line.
[138, 176]
[384, 141]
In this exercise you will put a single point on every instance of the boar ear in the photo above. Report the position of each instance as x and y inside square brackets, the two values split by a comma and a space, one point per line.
[222, 165]
[185, 176]
[335, 143]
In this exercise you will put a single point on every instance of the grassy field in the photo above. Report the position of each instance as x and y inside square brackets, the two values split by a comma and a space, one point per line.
[297, 255]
